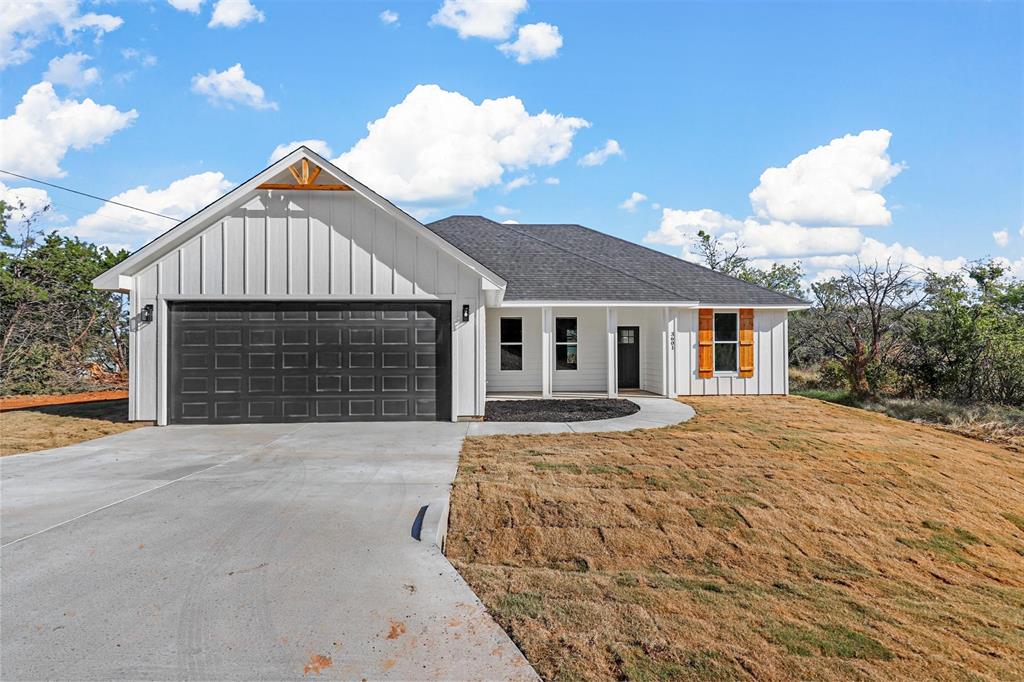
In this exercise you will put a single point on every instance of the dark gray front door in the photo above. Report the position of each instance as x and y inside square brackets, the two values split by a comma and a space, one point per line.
[242, 362]
[629, 357]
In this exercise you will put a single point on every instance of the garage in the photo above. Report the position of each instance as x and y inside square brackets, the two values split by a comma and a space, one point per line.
[291, 361]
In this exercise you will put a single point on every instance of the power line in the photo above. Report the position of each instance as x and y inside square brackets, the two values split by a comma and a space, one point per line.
[86, 194]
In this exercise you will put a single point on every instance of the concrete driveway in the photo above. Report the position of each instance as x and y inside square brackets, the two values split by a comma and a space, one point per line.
[239, 552]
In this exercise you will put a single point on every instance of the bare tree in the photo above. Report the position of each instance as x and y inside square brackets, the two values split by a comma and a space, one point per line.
[860, 317]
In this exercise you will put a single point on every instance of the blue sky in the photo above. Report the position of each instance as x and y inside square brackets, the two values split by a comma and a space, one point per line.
[925, 101]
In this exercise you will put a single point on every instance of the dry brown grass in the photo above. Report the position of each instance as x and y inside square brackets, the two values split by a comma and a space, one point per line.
[56, 426]
[768, 538]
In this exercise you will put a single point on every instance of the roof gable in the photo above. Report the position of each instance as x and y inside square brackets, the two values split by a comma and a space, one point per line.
[278, 173]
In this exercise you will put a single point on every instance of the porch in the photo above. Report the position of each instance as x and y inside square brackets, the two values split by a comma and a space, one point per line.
[580, 351]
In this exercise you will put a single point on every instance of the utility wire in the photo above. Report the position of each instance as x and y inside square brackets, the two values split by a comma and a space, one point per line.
[86, 194]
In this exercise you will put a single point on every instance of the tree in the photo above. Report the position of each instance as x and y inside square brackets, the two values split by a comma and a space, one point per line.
[56, 331]
[729, 260]
[861, 319]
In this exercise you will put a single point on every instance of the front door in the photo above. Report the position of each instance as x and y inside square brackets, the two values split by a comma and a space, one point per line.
[629, 357]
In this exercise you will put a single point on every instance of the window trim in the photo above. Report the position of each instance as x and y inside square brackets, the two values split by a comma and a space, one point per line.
[521, 343]
[557, 343]
[714, 342]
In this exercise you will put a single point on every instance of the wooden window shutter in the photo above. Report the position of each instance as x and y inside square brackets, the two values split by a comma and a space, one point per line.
[706, 343]
[746, 343]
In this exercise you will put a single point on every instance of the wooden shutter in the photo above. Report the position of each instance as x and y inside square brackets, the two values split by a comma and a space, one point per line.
[706, 343]
[746, 343]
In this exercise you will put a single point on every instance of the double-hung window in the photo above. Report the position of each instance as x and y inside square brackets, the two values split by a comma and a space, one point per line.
[511, 343]
[726, 342]
[565, 343]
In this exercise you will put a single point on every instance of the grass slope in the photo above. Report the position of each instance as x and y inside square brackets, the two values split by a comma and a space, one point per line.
[55, 426]
[769, 538]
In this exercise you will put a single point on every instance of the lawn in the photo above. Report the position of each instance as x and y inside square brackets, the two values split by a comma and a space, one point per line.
[54, 426]
[769, 538]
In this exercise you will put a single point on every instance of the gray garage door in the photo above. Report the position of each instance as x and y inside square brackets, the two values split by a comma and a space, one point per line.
[243, 362]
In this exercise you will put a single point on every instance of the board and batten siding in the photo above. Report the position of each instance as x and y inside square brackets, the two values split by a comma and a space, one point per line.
[306, 246]
[771, 357]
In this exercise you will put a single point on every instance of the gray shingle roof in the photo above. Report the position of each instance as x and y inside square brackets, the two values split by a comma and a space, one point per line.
[576, 263]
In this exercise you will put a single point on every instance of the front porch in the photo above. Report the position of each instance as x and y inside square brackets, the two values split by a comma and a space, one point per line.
[580, 351]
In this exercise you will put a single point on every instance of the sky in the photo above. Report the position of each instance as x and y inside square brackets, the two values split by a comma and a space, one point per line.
[820, 132]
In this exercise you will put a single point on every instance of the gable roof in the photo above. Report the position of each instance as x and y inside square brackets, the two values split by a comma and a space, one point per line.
[576, 263]
[114, 278]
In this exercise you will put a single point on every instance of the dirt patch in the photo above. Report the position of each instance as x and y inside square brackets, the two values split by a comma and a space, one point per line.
[558, 410]
[43, 428]
[769, 537]
[17, 402]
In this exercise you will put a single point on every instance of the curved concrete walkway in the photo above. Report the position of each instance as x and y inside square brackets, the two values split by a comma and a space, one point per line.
[654, 413]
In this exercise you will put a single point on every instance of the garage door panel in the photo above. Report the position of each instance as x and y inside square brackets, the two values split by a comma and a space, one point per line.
[265, 362]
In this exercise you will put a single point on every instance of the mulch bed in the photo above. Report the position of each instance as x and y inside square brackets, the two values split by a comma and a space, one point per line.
[18, 402]
[557, 410]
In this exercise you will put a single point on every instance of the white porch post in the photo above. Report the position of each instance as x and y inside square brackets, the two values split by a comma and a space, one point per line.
[669, 317]
[545, 352]
[612, 330]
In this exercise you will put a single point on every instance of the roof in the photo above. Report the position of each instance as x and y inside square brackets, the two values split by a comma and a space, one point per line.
[117, 277]
[576, 263]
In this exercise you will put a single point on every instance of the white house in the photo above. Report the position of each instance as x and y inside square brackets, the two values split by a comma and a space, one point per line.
[302, 295]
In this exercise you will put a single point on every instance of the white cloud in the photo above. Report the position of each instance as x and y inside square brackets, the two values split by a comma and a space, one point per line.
[33, 199]
[521, 181]
[44, 127]
[439, 146]
[186, 5]
[24, 24]
[598, 156]
[505, 210]
[1001, 238]
[635, 199]
[141, 56]
[678, 226]
[388, 17]
[875, 252]
[319, 146]
[534, 42]
[492, 19]
[120, 227]
[509, 222]
[234, 13]
[835, 184]
[1014, 268]
[556, 181]
[67, 70]
[230, 87]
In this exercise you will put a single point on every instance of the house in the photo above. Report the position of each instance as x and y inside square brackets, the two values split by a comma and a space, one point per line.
[302, 295]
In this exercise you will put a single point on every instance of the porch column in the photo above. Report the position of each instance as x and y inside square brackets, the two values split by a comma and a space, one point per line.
[612, 331]
[669, 318]
[545, 352]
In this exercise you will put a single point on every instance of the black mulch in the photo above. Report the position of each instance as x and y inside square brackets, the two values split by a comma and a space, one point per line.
[557, 410]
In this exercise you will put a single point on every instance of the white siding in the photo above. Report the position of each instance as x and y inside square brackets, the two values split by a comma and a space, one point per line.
[652, 339]
[529, 379]
[771, 358]
[591, 373]
[329, 245]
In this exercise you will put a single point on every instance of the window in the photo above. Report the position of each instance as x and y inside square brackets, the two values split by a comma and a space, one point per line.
[565, 343]
[511, 343]
[726, 342]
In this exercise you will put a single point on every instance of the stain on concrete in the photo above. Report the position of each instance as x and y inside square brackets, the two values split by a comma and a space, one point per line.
[397, 629]
[317, 662]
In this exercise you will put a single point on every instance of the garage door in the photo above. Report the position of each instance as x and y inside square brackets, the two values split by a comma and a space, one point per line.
[296, 362]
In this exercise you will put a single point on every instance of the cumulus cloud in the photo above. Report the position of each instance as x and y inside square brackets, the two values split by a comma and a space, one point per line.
[505, 210]
[437, 146]
[120, 227]
[234, 13]
[556, 181]
[534, 42]
[230, 87]
[634, 200]
[509, 222]
[24, 24]
[144, 58]
[67, 70]
[44, 127]
[1002, 237]
[388, 17]
[598, 156]
[492, 19]
[319, 146]
[521, 181]
[24, 201]
[835, 184]
[186, 5]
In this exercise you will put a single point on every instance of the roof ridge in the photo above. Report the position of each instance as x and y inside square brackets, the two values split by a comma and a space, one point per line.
[593, 260]
[665, 255]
